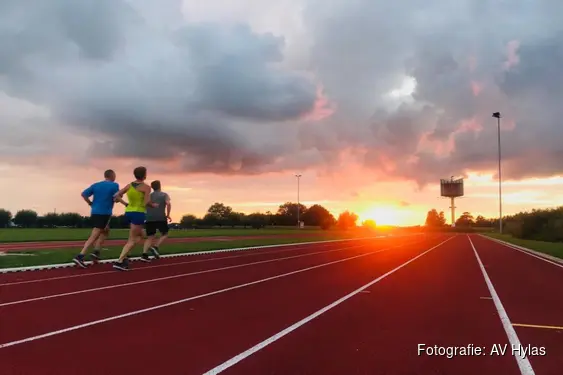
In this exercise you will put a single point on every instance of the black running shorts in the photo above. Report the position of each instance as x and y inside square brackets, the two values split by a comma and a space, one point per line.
[152, 226]
[100, 221]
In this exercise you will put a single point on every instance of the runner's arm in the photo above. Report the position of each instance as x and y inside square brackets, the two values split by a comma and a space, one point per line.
[168, 207]
[87, 193]
[147, 191]
[118, 198]
[121, 192]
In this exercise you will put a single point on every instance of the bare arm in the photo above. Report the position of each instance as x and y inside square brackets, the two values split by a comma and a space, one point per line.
[121, 192]
[168, 207]
[147, 191]
[87, 193]
[86, 199]
[120, 200]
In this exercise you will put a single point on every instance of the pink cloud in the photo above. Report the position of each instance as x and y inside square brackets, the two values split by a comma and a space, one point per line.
[512, 58]
[476, 87]
[322, 109]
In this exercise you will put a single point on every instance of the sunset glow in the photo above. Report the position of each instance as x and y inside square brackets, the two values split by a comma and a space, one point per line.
[383, 215]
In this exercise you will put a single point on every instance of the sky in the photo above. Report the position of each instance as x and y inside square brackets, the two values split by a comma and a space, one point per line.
[372, 102]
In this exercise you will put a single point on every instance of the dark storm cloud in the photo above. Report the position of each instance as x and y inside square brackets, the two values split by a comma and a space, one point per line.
[201, 92]
[215, 98]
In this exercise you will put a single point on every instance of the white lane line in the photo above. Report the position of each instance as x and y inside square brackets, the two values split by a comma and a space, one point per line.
[177, 302]
[545, 257]
[523, 362]
[297, 248]
[231, 362]
[156, 279]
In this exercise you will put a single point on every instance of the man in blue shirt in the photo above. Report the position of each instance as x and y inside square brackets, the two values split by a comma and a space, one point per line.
[101, 213]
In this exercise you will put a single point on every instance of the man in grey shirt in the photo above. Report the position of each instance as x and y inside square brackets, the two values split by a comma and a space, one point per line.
[157, 219]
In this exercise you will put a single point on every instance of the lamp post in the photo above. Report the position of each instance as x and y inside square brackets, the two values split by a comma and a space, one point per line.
[498, 117]
[298, 222]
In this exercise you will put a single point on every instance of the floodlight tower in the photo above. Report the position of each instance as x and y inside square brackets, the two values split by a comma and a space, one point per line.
[452, 189]
[498, 116]
[298, 208]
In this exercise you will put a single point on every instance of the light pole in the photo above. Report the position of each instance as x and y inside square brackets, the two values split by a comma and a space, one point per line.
[498, 116]
[298, 222]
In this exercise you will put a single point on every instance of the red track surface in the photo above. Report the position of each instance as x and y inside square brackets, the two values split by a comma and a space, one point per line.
[30, 246]
[440, 298]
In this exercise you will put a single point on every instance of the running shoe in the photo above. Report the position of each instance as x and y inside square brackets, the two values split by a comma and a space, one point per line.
[96, 257]
[145, 257]
[79, 260]
[154, 251]
[122, 266]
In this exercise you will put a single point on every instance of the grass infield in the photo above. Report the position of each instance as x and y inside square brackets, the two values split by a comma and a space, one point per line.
[81, 234]
[54, 256]
[552, 248]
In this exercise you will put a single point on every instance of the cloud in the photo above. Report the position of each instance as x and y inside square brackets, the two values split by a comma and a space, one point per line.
[141, 83]
[209, 95]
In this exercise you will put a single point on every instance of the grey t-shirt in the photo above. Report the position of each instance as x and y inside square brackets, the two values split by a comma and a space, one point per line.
[158, 213]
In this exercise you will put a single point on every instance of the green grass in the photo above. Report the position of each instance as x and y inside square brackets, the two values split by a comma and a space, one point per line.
[63, 234]
[52, 256]
[551, 248]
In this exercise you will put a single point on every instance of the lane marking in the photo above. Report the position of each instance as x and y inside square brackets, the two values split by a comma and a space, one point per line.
[537, 326]
[297, 248]
[66, 265]
[523, 363]
[239, 357]
[156, 279]
[486, 297]
[177, 302]
[530, 252]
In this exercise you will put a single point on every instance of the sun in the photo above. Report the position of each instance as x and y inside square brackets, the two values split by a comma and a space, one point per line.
[382, 215]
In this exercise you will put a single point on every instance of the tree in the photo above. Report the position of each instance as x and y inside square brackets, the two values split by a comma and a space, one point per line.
[220, 210]
[235, 218]
[26, 218]
[465, 220]
[188, 221]
[435, 219]
[51, 220]
[70, 219]
[5, 218]
[316, 215]
[482, 222]
[287, 213]
[347, 220]
[212, 219]
[256, 220]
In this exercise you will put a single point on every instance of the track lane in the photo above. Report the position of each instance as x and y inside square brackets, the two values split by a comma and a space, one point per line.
[530, 289]
[106, 276]
[435, 301]
[50, 273]
[21, 319]
[188, 331]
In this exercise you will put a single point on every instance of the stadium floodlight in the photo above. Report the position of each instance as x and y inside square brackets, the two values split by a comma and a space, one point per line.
[298, 208]
[498, 117]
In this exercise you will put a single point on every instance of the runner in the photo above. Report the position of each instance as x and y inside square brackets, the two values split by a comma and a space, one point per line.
[100, 215]
[157, 219]
[138, 194]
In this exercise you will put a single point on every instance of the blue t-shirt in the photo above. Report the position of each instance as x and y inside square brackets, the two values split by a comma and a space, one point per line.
[103, 193]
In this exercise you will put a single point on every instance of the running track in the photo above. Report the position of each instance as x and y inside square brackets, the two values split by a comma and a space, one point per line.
[353, 307]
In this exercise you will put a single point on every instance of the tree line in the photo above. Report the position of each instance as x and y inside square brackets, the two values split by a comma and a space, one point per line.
[537, 224]
[217, 215]
[435, 219]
